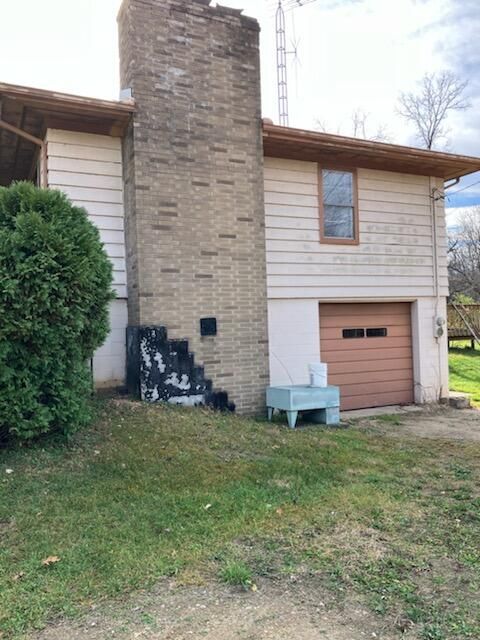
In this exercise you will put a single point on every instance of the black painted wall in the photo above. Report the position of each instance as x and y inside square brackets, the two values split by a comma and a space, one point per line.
[159, 369]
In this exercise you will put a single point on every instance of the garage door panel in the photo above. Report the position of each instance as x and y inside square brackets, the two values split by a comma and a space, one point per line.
[363, 366]
[365, 308]
[376, 355]
[336, 333]
[369, 377]
[363, 389]
[364, 344]
[366, 321]
[377, 400]
[370, 371]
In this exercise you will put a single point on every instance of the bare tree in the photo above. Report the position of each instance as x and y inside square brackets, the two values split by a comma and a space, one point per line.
[429, 108]
[464, 255]
[359, 128]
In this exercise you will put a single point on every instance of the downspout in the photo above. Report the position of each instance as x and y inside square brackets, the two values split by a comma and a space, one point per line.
[439, 321]
[452, 183]
[436, 287]
[438, 195]
[40, 143]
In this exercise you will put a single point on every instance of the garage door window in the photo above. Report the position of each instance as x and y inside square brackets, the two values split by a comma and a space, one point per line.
[338, 206]
[377, 333]
[353, 333]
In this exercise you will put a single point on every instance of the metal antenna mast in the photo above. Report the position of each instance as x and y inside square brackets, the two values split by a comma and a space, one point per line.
[282, 65]
[282, 54]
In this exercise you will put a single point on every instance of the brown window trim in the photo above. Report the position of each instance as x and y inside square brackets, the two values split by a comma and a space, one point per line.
[327, 239]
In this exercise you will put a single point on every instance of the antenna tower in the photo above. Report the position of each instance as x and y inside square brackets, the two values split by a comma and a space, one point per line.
[282, 53]
[282, 65]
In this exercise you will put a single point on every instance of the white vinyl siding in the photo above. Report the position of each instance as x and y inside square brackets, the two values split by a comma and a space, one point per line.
[88, 168]
[395, 237]
[77, 165]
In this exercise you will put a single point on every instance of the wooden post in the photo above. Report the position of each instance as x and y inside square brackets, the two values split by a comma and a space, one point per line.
[43, 149]
[43, 166]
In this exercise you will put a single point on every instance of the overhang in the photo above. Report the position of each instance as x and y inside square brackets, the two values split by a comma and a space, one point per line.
[334, 150]
[34, 110]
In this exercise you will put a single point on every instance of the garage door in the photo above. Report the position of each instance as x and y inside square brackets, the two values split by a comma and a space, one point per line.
[368, 348]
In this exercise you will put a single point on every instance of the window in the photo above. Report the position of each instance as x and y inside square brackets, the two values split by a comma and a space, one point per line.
[353, 333]
[380, 332]
[377, 333]
[338, 206]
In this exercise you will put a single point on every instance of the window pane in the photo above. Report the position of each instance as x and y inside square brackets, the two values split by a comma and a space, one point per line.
[338, 222]
[338, 188]
[353, 333]
[377, 333]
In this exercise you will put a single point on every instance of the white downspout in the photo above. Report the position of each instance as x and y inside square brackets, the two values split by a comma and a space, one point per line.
[434, 196]
[438, 321]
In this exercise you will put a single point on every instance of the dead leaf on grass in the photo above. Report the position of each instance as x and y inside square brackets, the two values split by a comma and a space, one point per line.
[50, 560]
[18, 576]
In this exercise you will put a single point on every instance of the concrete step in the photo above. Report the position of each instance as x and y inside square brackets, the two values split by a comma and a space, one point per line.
[459, 400]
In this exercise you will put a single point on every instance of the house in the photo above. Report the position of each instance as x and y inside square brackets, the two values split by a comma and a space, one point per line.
[242, 251]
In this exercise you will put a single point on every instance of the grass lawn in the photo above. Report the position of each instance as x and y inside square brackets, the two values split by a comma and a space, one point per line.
[465, 372]
[156, 491]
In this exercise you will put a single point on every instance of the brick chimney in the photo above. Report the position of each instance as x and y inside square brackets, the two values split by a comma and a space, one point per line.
[193, 165]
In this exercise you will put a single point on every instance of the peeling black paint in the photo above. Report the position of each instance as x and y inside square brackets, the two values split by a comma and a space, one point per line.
[163, 370]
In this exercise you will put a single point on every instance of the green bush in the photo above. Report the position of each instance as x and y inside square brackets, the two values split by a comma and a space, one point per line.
[55, 289]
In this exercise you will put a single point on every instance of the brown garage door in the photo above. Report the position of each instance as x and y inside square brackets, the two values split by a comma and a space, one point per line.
[368, 348]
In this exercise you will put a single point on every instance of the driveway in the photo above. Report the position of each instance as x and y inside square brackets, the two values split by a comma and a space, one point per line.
[437, 422]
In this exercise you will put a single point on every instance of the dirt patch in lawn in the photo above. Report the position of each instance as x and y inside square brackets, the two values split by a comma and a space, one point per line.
[437, 422]
[277, 610]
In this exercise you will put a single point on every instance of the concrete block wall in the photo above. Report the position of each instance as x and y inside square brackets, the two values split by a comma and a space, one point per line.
[193, 167]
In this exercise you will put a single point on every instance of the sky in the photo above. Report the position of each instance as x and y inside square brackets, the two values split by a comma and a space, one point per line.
[351, 55]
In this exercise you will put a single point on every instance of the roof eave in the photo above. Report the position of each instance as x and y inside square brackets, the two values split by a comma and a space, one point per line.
[64, 105]
[301, 144]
